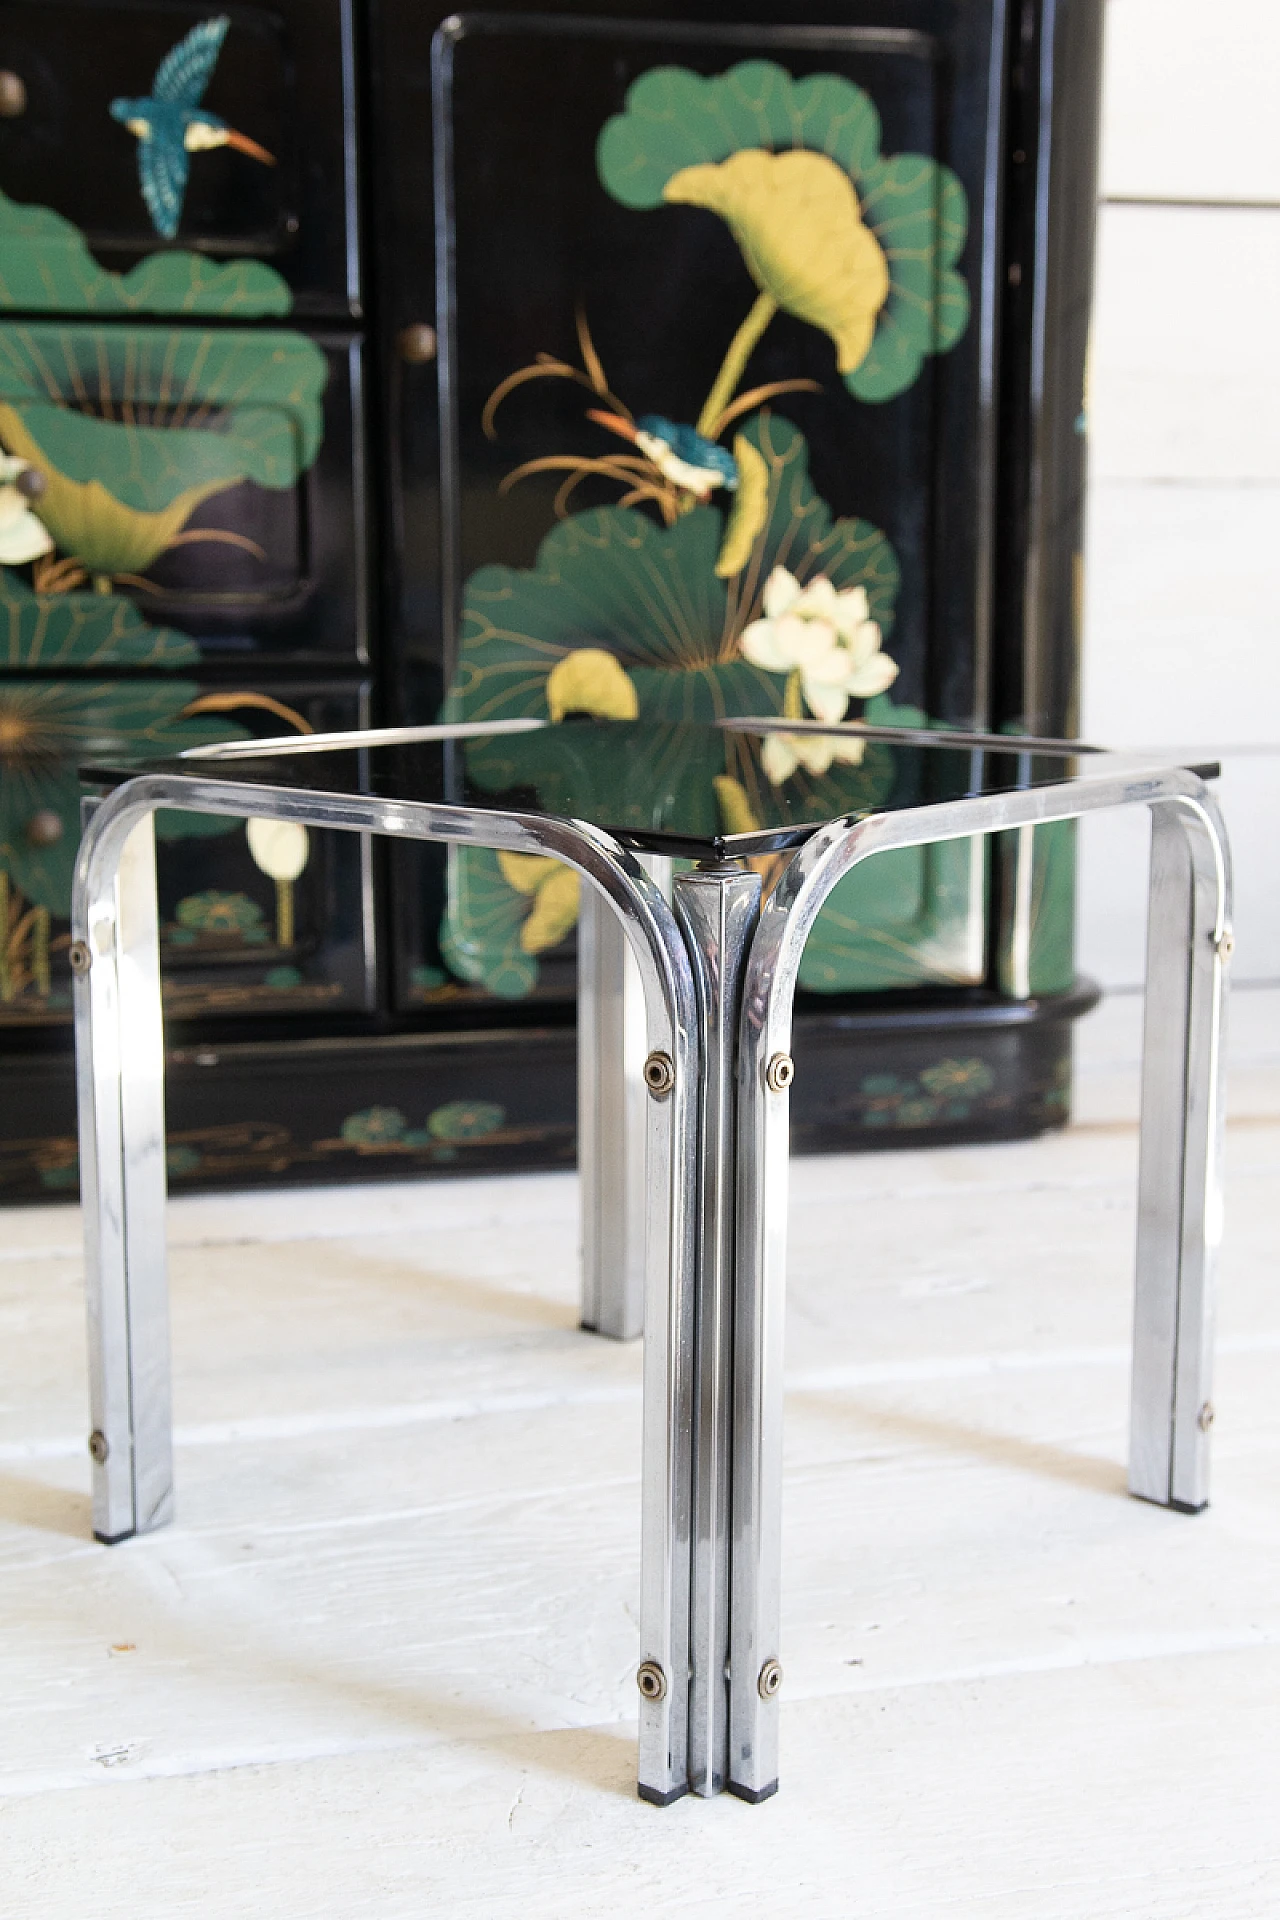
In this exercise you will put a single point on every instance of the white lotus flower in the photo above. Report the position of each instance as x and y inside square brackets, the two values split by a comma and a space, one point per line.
[22, 536]
[825, 636]
[782, 753]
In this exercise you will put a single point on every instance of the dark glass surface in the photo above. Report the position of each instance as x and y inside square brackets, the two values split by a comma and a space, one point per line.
[686, 790]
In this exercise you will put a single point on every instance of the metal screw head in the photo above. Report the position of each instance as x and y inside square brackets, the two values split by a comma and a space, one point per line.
[44, 828]
[418, 344]
[1224, 944]
[1204, 1419]
[651, 1680]
[13, 95]
[659, 1074]
[98, 1447]
[79, 957]
[779, 1073]
[770, 1679]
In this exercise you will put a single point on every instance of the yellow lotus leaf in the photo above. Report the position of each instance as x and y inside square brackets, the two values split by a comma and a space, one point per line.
[736, 812]
[591, 680]
[87, 521]
[526, 871]
[555, 910]
[796, 217]
[749, 511]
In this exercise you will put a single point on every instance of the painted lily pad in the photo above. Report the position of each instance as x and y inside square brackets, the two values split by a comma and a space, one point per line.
[150, 412]
[47, 729]
[46, 267]
[613, 579]
[81, 631]
[678, 131]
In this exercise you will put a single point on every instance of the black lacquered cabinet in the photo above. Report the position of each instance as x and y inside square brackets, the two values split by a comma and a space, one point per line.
[385, 362]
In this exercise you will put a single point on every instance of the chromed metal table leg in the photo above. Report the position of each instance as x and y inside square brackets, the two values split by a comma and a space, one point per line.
[120, 1084]
[718, 909]
[612, 1116]
[1180, 1155]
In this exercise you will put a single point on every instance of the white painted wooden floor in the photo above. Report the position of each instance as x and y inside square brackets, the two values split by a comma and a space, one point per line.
[382, 1665]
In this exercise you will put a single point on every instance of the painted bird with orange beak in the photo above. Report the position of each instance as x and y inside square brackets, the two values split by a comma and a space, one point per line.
[170, 125]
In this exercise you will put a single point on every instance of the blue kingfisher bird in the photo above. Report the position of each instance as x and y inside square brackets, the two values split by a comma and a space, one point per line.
[170, 124]
[681, 454]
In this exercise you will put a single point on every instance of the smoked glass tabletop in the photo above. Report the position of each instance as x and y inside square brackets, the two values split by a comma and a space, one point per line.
[694, 791]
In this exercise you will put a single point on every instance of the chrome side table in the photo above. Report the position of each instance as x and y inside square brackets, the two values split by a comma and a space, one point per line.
[684, 1097]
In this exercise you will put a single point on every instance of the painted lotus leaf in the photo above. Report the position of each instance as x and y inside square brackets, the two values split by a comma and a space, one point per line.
[81, 631]
[589, 680]
[919, 213]
[1051, 946]
[45, 266]
[151, 411]
[796, 218]
[86, 520]
[650, 595]
[465, 1120]
[480, 936]
[675, 121]
[48, 728]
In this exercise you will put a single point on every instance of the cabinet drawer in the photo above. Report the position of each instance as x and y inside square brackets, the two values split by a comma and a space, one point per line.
[209, 161]
[200, 493]
[247, 927]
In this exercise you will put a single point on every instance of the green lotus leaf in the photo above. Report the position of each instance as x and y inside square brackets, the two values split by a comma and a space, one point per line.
[90, 523]
[612, 579]
[480, 937]
[675, 121]
[465, 1120]
[216, 912]
[45, 266]
[48, 728]
[151, 411]
[81, 631]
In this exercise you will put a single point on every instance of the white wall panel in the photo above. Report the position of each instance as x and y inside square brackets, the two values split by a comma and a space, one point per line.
[1182, 367]
[1190, 100]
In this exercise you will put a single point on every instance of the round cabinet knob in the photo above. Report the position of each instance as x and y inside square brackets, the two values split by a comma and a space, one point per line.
[44, 829]
[13, 95]
[417, 344]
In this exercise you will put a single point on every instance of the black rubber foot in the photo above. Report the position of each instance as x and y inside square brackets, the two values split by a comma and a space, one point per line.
[114, 1539]
[1185, 1506]
[753, 1795]
[657, 1799]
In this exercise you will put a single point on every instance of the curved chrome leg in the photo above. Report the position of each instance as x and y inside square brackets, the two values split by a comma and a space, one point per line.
[120, 1088]
[1180, 1160]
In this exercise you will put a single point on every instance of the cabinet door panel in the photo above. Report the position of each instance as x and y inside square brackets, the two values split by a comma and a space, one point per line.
[239, 145]
[713, 314]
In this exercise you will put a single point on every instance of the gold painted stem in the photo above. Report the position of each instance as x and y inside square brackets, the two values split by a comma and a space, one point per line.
[734, 364]
[284, 913]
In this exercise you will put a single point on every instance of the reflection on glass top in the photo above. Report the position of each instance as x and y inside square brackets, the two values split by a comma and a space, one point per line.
[697, 791]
